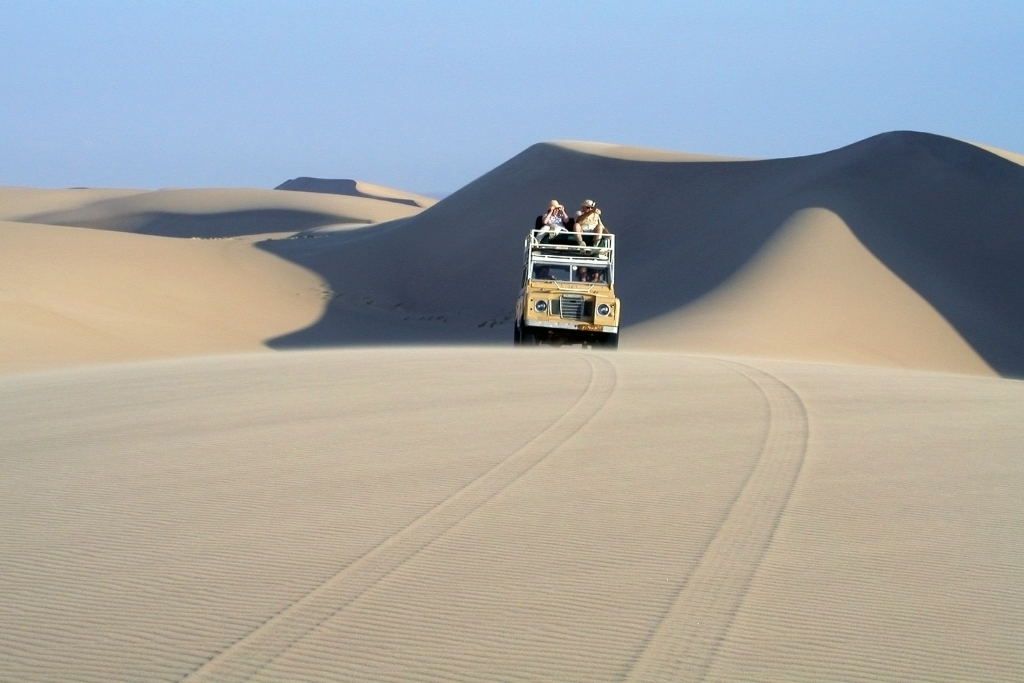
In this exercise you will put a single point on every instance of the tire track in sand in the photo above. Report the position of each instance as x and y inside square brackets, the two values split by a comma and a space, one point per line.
[685, 643]
[248, 655]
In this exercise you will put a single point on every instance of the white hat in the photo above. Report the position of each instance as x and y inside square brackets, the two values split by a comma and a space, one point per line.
[554, 203]
[589, 202]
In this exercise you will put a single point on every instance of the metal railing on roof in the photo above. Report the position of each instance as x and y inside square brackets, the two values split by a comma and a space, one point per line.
[564, 243]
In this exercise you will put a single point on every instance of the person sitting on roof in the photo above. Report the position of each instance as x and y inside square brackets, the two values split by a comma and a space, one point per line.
[552, 221]
[588, 222]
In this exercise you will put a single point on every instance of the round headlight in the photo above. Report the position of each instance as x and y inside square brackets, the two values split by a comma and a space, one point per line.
[541, 306]
[604, 309]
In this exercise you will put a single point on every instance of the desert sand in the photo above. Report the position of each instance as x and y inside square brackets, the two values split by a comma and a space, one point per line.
[806, 461]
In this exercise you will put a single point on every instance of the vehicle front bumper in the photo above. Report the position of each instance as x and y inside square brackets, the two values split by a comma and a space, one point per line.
[574, 326]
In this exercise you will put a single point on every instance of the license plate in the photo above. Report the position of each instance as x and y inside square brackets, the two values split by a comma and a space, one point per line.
[589, 328]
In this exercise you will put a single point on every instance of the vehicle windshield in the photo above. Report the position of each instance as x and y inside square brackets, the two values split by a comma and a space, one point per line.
[544, 271]
[565, 273]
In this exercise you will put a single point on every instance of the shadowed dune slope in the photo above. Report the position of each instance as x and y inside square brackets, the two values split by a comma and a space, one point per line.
[356, 188]
[871, 253]
[411, 515]
[212, 212]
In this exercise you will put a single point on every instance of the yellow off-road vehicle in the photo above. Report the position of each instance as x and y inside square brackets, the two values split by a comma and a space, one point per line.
[568, 292]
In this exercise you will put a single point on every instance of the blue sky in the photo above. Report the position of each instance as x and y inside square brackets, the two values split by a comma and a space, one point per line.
[427, 96]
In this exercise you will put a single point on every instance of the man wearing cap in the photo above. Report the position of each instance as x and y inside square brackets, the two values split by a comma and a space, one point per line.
[588, 220]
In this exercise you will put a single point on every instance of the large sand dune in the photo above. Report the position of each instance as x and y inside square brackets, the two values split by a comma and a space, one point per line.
[901, 250]
[474, 514]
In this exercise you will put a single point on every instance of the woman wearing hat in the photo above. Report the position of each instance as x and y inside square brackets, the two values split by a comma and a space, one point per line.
[553, 220]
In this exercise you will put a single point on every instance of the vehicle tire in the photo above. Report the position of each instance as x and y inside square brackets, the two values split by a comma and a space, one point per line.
[610, 341]
[528, 337]
[517, 335]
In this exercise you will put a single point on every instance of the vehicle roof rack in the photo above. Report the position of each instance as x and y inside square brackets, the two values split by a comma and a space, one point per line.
[542, 242]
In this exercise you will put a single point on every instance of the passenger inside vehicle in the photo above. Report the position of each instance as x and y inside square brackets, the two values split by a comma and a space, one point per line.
[590, 274]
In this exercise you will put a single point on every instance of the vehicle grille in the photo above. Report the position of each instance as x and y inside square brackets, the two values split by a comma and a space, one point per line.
[572, 306]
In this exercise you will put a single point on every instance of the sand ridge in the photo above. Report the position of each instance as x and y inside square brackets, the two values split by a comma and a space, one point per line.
[210, 212]
[19, 202]
[1015, 157]
[634, 153]
[356, 188]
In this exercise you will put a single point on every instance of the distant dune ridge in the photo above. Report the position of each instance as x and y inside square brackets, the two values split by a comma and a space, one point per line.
[356, 188]
[207, 213]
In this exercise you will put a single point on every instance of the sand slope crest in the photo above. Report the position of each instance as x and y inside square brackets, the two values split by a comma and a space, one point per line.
[356, 188]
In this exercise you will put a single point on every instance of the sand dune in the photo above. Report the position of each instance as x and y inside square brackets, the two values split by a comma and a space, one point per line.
[900, 250]
[70, 296]
[927, 277]
[412, 515]
[814, 291]
[356, 188]
[206, 212]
